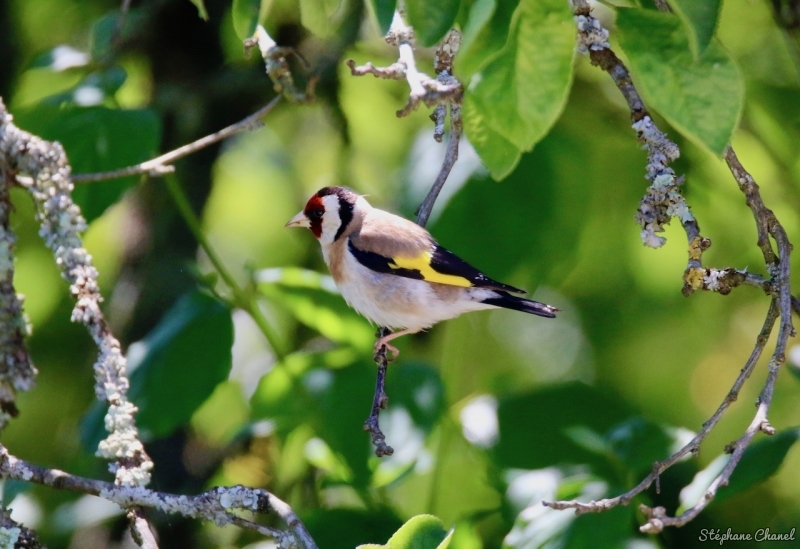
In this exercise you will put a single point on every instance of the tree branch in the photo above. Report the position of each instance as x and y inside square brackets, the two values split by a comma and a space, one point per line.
[662, 202]
[423, 88]
[215, 505]
[163, 164]
[278, 68]
[443, 92]
[693, 446]
[49, 184]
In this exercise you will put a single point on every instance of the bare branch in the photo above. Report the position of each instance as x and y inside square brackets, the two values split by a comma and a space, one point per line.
[659, 205]
[379, 402]
[216, 505]
[423, 88]
[278, 68]
[162, 164]
[693, 446]
[140, 530]
[663, 199]
[442, 92]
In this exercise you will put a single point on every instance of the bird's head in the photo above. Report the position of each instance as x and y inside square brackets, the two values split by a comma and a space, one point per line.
[329, 212]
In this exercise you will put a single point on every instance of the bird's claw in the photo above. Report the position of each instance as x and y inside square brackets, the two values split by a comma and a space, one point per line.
[385, 350]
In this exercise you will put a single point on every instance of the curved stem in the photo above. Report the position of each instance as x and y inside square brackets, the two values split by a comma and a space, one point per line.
[241, 299]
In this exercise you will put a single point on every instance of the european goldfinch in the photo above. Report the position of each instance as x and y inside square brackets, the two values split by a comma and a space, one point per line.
[394, 273]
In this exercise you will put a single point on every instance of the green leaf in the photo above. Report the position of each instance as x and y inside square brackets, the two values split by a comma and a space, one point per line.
[96, 139]
[420, 532]
[202, 12]
[384, 12]
[174, 369]
[638, 443]
[105, 30]
[245, 17]
[318, 15]
[759, 462]
[523, 447]
[701, 97]
[363, 526]
[314, 300]
[331, 393]
[523, 90]
[700, 19]
[93, 89]
[498, 155]
[418, 388]
[485, 33]
[431, 20]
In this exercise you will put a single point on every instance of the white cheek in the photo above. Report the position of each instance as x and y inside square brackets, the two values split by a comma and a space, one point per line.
[330, 221]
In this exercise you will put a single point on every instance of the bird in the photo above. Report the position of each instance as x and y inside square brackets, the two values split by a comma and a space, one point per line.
[394, 273]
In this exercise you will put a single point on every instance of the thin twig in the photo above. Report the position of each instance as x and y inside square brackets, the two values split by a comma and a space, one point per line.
[140, 529]
[379, 402]
[594, 40]
[443, 92]
[121, 20]
[215, 505]
[241, 298]
[423, 88]
[693, 446]
[663, 199]
[278, 68]
[162, 164]
[443, 64]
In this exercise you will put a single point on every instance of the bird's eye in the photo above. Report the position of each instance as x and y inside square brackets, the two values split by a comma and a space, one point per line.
[316, 214]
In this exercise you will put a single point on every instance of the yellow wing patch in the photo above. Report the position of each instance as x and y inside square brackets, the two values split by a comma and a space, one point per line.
[422, 264]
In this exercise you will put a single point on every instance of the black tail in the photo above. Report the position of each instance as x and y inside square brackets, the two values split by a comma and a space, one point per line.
[508, 301]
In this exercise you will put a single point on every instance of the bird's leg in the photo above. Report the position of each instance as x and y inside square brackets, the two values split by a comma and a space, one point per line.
[384, 341]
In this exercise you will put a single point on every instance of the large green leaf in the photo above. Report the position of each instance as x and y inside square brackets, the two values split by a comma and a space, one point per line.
[701, 97]
[484, 34]
[175, 368]
[314, 300]
[333, 400]
[384, 13]
[521, 92]
[353, 527]
[498, 154]
[431, 20]
[420, 532]
[532, 436]
[96, 139]
[700, 18]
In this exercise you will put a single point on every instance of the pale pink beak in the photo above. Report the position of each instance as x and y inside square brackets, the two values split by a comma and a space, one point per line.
[300, 220]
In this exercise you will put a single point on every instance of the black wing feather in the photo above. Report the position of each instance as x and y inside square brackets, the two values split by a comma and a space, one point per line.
[446, 262]
[442, 261]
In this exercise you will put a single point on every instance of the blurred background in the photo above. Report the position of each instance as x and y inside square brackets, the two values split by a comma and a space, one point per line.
[489, 413]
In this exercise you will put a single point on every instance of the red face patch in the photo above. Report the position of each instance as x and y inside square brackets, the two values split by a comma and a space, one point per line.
[314, 211]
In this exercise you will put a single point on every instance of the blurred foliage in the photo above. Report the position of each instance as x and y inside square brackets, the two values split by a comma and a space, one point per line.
[489, 414]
